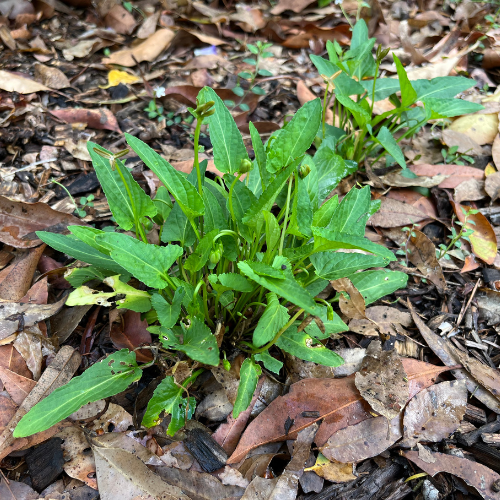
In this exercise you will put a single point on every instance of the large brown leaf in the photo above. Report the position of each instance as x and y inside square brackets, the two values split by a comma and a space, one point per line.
[394, 213]
[19, 221]
[476, 475]
[94, 118]
[337, 401]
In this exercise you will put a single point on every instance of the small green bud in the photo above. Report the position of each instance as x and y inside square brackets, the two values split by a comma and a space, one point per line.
[329, 313]
[304, 171]
[216, 252]
[245, 166]
[226, 364]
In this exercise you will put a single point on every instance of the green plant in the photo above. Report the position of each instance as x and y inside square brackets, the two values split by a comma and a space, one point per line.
[260, 51]
[85, 201]
[453, 156]
[455, 237]
[252, 255]
[352, 77]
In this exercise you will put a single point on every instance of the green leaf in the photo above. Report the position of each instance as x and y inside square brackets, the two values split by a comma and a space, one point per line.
[331, 326]
[332, 266]
[178, 228]
[163, 203]
[252, 48]
[287, 287]
[258, 90]
[311, 181]
[249, 376]
[272, 364]
[200, 256]
[75, 248]
[448, 108]
[408, 93]
[388, 142]
[373, 285]
[135, 300]
[80, 275]
[264, 72]
[127, 201]
[84, 295]
[360, 114]
[302, 212]
[323, 216]
[185, 194]
[238, 91]
[351, 215]
[226, 139]
[102, 380]
[244, 107]
[214, 216]
[168, 314]
[272, 232]
[236, 282]
[359, 35]
[88, 234]
[443, 87]
[344, 84]
[260, 155]
[245, 75]
[148, 263]
[295, 139]
[168, 397]
[274, 317]
[297, 344]
[243, 199]
[384, 87]
[198, 343]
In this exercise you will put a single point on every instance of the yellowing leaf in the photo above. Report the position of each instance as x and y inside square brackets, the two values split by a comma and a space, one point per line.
[490, 169]
[481, 128]
[333, 471]
[115, 77]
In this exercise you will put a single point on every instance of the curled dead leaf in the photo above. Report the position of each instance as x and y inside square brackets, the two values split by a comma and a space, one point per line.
[354, 306]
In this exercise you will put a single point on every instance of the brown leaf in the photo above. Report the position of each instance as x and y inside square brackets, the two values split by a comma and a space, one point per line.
[422, 254]
[479, 127]
[338, 402]
[13, 361]
[463, 143]
[120, 20]
[331, 470]
[148, 26]
[415, 199]
[304, 94]
[19, 221]
[394, 213]
[382, 381]
[294, 5]
[58, 373]
[94, 118]
[21, 491]
[29, 345]
[52, 77]
[310, 32]
[354, 306]
[128, 331]
[483, 240]
[395, 179]
[450, 356]
[495, 151]
[456, 173]
[148, 50]
[17, 279]
[14, 82]
[381, 319]
[364, 440]
[474, 474]
[470, 190]
[435, 413]
[492, 185]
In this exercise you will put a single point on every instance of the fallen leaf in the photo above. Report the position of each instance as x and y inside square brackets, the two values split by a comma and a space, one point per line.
[394, 213]
[21, 491]
[338, 402]
[296, 6]
[82, 48]
[128, 331]
[354, 306]
[52, 77]
[449, 355]
[29, 345]
[148, 27]
[100, 119]
[382, 381]
[331, 470]
[474, 474]
[148, 50]
[120, 20]
[363, 440]
[13, 361]
[422, 254]
[435, 413]
[19, 221]
[463, 143]
[248, 18]
[422, 203]
[381, 319]
[77, 150]
[495, 151]
[13, 82]
[395, 179]
[115, 77]
[492, 185]
[481, 128]
[456, 173]
[16, 385]
[471, 190]
[483, 240]
[470, 263]
[310, 32]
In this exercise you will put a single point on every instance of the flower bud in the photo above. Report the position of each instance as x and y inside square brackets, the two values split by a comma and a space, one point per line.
[304, 171]
[329, 313]
[245, 166]
[216, 253]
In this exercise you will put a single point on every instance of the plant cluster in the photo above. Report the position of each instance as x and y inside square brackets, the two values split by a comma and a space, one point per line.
[252, 254]
[352, 78]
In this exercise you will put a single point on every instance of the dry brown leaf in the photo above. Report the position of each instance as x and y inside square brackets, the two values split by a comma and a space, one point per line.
[438, 68]
[248, 18]
[296, 6]
[471, 190]
[394, 213]
[148, 26]
[395, 179]
[120, 20]
[148, 50]
[52, 77]
[481, 128]
[13, 361]
[21, 491]
[16, 385]
[29, 344]
[456, 173]
[435, 413]
[450, 356]
[19, 221]
[381, 319]
[331, 470]
[382, 381]
[495, 151]
[12, 82]
[415, 199]
[364, 440]
[101, 118]
[304, 94]
[421, 253]
[82, 48]
[474, 474]
[354, 306]
[492, 185]
[464, 143]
